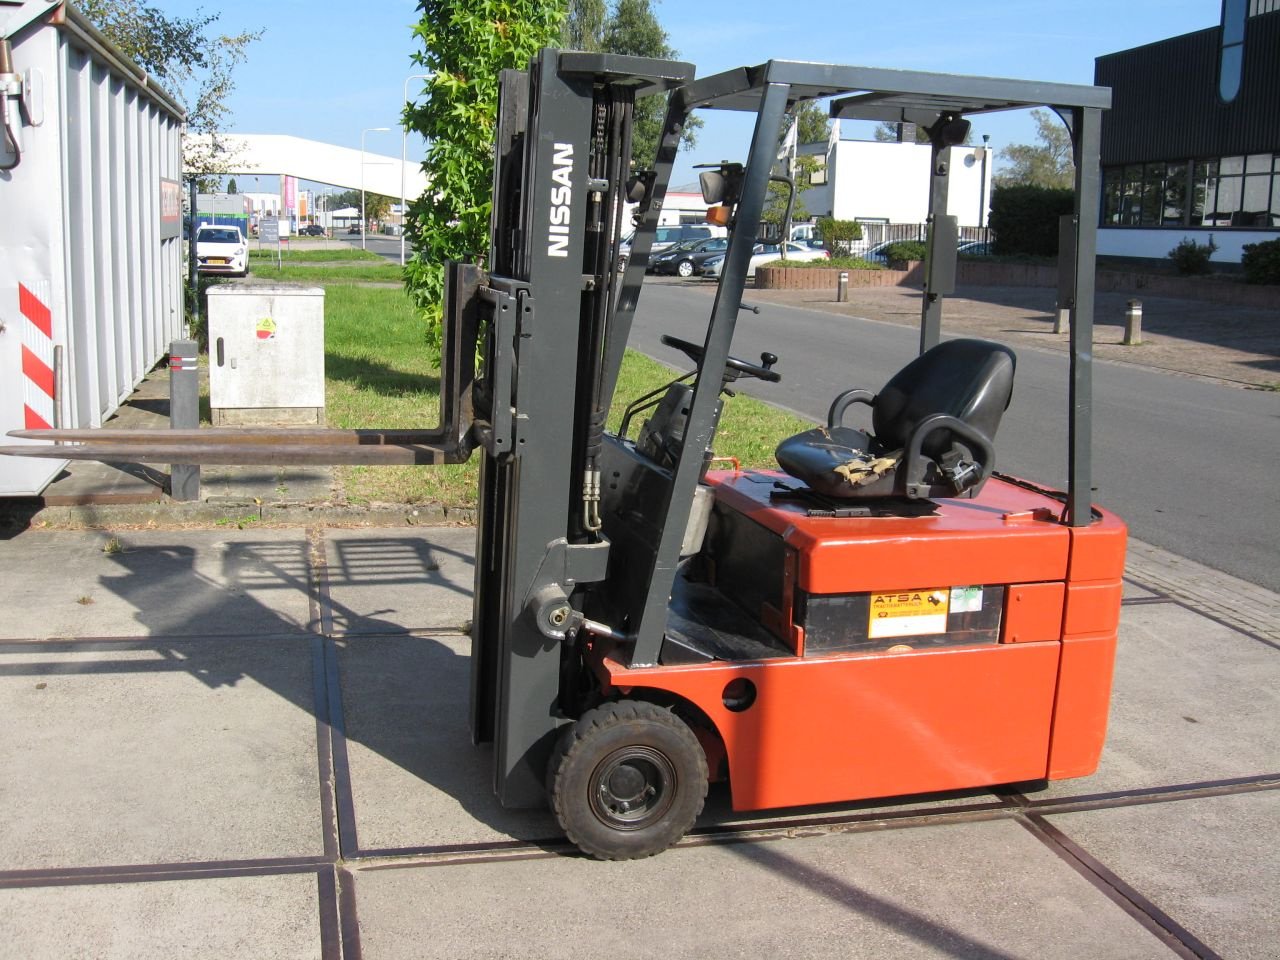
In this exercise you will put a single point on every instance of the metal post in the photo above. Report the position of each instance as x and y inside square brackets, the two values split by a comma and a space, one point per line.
[935, 289]
[364, 221]
[184, 413]
[1086, 136]
[193, 277]
[842, 287]
[1133, 324]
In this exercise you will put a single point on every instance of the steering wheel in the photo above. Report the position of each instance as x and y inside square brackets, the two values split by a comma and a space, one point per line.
[740, 367]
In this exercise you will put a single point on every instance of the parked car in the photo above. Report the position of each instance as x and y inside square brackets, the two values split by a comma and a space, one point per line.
[763, 253]
[354, 228]
[876, 253]
[974, 248]
[686, 259]
[311, 230]
[666, 237]
[221, 249]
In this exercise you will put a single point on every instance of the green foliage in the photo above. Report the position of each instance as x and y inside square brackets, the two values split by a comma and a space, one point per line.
[814, 127]
[231, 186]
[633, 30]
[905, 251]
[838, 235]
[195, 64]
[841, 263]
[1261, 262]
[466, 43]
[775, 203]
[583, 27]
[1191, 258]
[1048, 164]
[1025, 219]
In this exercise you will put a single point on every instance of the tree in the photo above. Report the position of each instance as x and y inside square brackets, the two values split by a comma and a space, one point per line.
[465, 44]
[812, 126]
[376, 206]
[195, 64]
[632, 29]
[1048, 164]
[231, 185]
[583, 27]
[347, 198]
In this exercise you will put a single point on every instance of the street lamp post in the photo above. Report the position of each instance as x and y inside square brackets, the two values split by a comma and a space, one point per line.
[364, 223]
[404, 138]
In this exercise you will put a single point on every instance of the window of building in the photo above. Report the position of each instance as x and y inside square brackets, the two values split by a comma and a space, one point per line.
[1217, 192]
[1231, 61]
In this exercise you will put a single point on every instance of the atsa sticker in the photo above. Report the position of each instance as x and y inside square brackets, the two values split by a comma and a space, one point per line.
[266, 328]
[909, 613]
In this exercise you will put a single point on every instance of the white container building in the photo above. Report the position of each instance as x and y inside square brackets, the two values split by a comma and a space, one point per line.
[90, 227]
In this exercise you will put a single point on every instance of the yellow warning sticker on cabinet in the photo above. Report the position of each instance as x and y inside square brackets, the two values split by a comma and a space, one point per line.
[266, 328]
[908, 613]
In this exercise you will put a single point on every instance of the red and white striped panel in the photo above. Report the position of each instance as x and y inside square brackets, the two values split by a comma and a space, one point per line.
[38, 389]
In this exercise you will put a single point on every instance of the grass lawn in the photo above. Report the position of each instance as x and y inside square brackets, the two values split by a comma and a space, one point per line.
[379, 374]
[326, 255]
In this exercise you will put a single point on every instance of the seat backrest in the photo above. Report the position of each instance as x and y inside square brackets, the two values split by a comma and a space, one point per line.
[971, 380]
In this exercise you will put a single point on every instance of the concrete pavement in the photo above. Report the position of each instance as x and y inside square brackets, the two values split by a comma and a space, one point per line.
[253, 742]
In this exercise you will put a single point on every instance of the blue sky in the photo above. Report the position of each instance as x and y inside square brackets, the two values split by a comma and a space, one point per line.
[325, 69]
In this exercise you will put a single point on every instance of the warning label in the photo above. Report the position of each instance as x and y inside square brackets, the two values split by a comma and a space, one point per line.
[266, 328]
[910, 613]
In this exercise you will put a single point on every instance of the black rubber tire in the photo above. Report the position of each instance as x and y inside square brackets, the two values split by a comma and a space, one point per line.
[633, 746]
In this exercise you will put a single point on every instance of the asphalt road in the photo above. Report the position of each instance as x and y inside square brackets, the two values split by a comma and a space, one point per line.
[388, 247]
[1190, 464]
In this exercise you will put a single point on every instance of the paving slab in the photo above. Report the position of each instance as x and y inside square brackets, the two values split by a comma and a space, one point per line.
[1136, 591]
[158, 752]
[259, 917]
[149, 583]
[1192, 701]
[982, 890]
[417, 780]
[394, 580]
[1211, 864]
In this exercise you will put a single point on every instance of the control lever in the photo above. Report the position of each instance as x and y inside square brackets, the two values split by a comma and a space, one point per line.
[746, 306]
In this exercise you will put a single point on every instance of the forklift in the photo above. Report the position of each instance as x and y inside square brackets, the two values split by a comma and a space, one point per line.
[885, 615]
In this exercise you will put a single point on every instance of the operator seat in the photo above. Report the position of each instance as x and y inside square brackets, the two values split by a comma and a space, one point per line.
[933, 424]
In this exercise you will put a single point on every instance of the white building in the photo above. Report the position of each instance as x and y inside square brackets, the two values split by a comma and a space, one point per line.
[888, 182]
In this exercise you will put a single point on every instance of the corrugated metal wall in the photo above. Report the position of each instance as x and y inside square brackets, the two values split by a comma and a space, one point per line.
[123, 287]
[1166, 104]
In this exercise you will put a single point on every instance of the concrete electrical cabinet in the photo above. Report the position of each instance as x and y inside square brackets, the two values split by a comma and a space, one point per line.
[266, 354]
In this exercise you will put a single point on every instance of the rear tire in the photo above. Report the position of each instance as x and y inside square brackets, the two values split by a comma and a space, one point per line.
[627, 780]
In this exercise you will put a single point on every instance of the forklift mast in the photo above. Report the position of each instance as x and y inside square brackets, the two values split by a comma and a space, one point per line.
[546, 305]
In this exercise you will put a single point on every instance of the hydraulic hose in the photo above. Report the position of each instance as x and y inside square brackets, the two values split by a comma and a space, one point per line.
[10, 87]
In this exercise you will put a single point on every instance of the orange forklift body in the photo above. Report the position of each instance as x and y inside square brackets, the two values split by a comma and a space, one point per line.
[918, 704]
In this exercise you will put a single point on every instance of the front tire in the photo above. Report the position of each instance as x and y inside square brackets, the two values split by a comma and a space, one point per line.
[627, 780]
[685, 268]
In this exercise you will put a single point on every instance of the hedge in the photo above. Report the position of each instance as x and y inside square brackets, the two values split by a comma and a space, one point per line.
[1025, 219]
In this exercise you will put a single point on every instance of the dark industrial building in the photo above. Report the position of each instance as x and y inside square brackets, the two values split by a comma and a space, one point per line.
[1191, 146]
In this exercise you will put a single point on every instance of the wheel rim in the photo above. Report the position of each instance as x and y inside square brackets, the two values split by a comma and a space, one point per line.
[633, 788]
[685, 269]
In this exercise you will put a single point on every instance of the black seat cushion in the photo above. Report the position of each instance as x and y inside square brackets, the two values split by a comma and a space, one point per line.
[968, 380]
